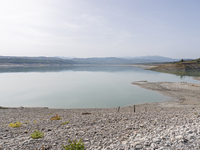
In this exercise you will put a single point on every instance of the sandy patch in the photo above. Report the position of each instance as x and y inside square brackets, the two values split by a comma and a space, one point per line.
[186, 93]
[196, 78]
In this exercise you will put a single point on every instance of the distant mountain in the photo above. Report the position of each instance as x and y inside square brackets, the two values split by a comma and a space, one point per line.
[123, 60]
[154, 58]
[27, 61]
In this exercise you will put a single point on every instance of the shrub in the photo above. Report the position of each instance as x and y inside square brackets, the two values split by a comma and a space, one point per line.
[56, 117]
[65, 123]
[15, 125]
[37, 134]
[74, 145]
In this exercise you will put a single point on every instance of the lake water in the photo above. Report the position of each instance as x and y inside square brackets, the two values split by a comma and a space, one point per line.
[79, 87]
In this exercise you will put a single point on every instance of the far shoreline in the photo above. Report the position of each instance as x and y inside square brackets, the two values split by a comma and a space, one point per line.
[9, 65]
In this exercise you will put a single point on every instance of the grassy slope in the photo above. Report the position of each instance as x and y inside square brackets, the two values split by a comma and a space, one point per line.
[188, 68]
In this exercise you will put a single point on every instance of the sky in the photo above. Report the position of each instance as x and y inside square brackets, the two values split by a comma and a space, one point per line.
[100, 28]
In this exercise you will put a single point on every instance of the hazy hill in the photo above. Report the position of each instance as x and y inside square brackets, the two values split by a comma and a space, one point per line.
[34, 60]
[157, 58]
[125, 60]
[88, 61]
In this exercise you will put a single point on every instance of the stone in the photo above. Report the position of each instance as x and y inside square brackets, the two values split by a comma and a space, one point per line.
[156, 140]
[179, 137]
[138, 146]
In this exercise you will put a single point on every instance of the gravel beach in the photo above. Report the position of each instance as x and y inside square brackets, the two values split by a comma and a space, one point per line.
[165, 125]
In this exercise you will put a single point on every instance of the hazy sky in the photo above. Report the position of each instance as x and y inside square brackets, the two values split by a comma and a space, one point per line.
[100, 28]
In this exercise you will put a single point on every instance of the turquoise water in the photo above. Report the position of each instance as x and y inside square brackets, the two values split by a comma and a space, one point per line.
[79, 87]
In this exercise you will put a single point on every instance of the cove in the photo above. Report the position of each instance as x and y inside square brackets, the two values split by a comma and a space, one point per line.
[80, 86]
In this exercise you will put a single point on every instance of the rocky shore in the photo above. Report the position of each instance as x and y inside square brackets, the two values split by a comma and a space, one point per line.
[167, 125]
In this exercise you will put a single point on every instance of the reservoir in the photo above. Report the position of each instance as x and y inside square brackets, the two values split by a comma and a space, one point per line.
[80, 86]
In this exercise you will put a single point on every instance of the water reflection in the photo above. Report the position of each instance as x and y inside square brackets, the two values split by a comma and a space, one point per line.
[80, 86]
[183, 74]
[70, 68]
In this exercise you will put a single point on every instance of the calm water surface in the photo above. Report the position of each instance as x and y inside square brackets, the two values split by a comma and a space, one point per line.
[79, 87]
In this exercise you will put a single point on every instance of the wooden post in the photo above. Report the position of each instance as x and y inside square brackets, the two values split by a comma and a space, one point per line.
[134, 108]
[145, 109]
[118, 109]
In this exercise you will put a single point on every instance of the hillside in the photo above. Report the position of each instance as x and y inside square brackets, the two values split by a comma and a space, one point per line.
[185, 68]
[179, 66]
[7, 60]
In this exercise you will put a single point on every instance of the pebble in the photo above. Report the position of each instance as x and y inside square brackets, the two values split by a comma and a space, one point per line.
[159, 128]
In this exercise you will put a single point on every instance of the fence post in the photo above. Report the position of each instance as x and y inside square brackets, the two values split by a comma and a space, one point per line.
[118, 109]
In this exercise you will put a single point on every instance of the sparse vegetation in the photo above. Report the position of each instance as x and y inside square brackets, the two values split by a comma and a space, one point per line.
[56, 117]
[198, 60]
[37, 134]
[15, 124]
[86, 113]
[74, 145]
[65, 123]
[180, 66]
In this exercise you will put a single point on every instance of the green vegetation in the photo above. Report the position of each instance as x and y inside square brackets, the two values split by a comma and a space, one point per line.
[35, 121]
[15, 125]
[74, 145]
[65, 123]
[37, 135]
[56, 117]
